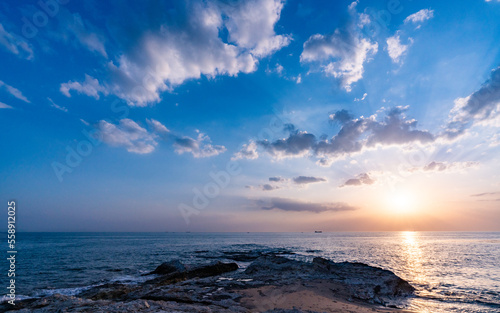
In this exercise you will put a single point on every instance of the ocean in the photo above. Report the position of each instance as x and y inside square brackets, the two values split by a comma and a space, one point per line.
[452, 271]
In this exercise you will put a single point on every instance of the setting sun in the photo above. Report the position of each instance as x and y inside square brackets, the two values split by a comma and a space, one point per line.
[401, 202]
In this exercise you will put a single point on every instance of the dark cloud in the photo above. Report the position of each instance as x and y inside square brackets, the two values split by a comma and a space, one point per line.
[342, 117]
[361, 179]
[276, 179]
[353, 136]
[484, 194]
[396, 129]
[301, 180]
[296, 144]
[299, 206]
[479, 106]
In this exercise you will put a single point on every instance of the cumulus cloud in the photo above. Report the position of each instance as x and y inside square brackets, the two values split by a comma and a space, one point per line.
[420, 16]
[248, 151]
[136, 139]
[361, 179]
[201, 147]
[343, 53]
[291, 205]
[4, 106]
[90, 87]
[396, 49]
[296, 145]
[127, 134]
[13, 91]
[480, 106]
[15, 44]
[355, 135]
[302, 180]
[190, 39]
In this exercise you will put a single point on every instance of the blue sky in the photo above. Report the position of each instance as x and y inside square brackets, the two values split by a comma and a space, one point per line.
[117, 116]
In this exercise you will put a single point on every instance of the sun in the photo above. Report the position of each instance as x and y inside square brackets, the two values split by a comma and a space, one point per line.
[401, 202]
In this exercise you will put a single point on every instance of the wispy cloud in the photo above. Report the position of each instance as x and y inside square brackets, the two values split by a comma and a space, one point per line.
[4, 106]
[435, 166]
[303, 180]
[420, 16]
[54, 105]
[290, 205]
[14, 91]
[15, 44]
[127, 134]
[90, 87]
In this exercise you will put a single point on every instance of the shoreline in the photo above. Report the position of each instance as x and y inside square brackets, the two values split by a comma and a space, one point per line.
[271, 283]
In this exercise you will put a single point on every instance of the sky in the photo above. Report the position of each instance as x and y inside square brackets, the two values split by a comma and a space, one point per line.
[255, 115]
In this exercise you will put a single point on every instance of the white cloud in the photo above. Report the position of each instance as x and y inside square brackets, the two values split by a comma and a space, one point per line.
[190, 45]
[299, 79]
[420, 16]
[14, 91]
[90, 87]
[248, 151]
[396, 49]
[127, 134]
[342, 53]
[4, 106]
[15, 44]
[251, 25]
[445, 166]
[362, 98]
[136, 139]
[157, 126]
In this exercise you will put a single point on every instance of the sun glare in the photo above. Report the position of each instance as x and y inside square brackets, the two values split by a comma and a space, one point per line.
[401, 202]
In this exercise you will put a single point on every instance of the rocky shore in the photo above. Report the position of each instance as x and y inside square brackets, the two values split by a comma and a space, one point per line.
[271, 283]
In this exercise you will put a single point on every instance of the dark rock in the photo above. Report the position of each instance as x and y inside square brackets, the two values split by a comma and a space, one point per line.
[114, 291]
[199, 272]
[169, 267]
[212, 270]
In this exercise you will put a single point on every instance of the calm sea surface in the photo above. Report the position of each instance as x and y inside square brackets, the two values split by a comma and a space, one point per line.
[452, 271]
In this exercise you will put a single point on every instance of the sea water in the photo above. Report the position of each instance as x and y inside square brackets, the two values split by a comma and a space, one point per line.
[452, 271]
